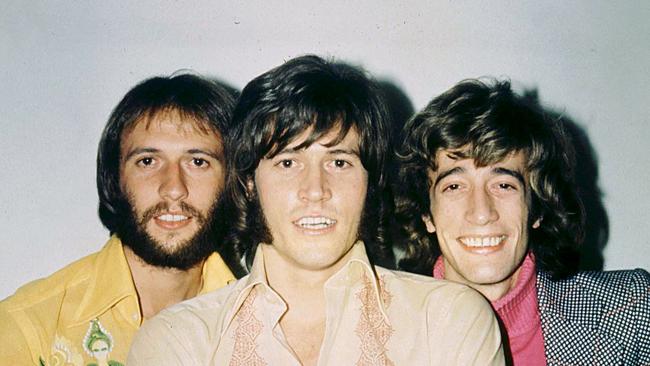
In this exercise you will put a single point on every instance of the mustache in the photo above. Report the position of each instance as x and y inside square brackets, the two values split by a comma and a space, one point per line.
[163, 207]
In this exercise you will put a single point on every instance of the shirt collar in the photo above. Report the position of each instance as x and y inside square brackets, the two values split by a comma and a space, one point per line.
[351, 274]
[111, 282]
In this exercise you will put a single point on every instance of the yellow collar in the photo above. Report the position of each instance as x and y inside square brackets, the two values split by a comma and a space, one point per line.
[111, 284]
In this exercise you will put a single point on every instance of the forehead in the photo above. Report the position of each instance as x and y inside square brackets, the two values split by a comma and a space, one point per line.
[171, 121]
[448, 159]
[330, 138]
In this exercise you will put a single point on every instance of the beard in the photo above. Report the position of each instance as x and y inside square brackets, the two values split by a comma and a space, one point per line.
[182, 255]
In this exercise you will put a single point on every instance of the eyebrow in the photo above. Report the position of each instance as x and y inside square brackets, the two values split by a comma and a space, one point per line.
[354, 152]
[151, 150]
[510, 172]
[291, 150]
[446, 173]
[495, 171]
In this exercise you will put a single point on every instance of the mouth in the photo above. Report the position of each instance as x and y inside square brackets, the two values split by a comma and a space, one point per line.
[171, 218]
[172, 221]
[483, 242]
[315, 223]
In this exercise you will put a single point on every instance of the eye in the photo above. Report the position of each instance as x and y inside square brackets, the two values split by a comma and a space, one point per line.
[451, 187]
[507, 186]
[148, 161]
[339, 163]
[199, 162]
[286, 163]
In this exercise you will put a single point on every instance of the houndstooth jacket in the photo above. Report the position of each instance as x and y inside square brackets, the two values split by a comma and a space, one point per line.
[596, 318]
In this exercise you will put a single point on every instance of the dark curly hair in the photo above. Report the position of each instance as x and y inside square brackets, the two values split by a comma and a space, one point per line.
[203, 102]
[487, 122]
[306, 93]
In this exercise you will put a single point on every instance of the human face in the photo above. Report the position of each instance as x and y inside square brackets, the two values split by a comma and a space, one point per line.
[172, 174]
[99, 349]
[480, 217]
[312, 199]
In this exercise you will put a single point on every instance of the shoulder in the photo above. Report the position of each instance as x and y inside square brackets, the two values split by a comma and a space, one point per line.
[183, 331]
[196, 315]
[455, 318]
[602, 283]
[441, 295]
[623, 289]
[205, 304]
[34, 311]
[70, 279]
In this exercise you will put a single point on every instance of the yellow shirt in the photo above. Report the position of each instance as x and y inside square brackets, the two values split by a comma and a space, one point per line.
[374, 316]
[84, 314]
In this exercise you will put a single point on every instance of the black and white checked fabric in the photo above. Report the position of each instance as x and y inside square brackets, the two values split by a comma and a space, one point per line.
[596, 318]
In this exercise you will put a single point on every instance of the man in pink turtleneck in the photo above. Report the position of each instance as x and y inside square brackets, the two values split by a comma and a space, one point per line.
[486, 197]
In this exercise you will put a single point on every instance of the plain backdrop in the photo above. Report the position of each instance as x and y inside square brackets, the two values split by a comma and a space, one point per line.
[65, 64]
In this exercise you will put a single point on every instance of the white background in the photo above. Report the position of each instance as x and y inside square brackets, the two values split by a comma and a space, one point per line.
[65, 64]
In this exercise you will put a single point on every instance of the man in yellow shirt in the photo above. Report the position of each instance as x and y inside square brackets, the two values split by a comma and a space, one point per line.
[160, 174]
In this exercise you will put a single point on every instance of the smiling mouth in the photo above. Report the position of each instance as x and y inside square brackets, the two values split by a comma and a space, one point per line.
[172, 221]
[315, 222]
[482, 242]
[172, 218]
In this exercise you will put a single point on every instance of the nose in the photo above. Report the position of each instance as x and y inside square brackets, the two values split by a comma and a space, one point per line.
[481, 208]
[314, 185]
[173, 186]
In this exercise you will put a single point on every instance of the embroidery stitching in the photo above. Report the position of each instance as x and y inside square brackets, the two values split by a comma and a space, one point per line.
[98, 344]
[248, 329]
[372, 329]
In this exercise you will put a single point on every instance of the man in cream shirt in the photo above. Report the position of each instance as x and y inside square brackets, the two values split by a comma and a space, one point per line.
[306, 184]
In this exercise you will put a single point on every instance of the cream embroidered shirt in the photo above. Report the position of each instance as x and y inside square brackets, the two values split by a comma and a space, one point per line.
[374, 317]
[84, 314]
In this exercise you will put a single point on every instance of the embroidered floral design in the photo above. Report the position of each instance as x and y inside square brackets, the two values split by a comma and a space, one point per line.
[372, 329]
[248, 329]
[63, 353]
[98, 343]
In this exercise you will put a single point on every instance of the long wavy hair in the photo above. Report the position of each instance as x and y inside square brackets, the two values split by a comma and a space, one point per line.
[202, 102]
[486, 122]
[306, 93]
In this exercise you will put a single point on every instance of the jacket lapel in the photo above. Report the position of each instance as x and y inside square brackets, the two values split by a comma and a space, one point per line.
[570, 317]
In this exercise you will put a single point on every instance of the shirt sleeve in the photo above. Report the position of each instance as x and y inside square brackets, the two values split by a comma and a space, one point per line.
[159, 343]
[467, 333]
[14, 345]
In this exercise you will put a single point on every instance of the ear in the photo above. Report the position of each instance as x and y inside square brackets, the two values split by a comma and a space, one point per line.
[428, 222]
[537, 223]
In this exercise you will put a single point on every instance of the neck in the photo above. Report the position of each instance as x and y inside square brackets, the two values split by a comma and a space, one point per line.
[303, 290]
[495, 291]
[299, 287]
[492, 291]
[159, 287]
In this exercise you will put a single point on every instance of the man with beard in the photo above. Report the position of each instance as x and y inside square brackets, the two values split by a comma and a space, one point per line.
[160, 173]
[306, 157]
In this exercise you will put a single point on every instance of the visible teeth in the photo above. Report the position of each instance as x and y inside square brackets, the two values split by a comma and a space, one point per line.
[490, 241]
[170, 217]
[318, 222]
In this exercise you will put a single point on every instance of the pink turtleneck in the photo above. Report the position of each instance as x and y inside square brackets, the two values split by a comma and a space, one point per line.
[519, 315]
